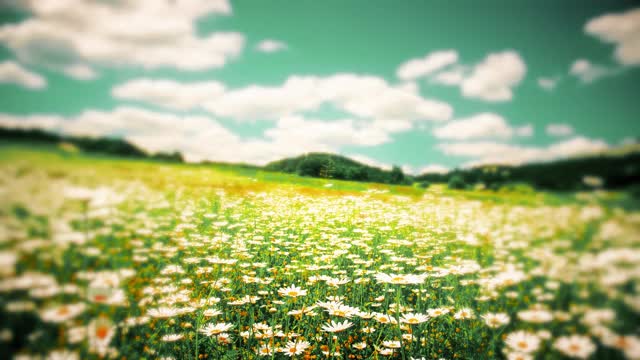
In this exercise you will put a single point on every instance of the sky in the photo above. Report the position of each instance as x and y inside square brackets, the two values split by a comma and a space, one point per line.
[426, 85]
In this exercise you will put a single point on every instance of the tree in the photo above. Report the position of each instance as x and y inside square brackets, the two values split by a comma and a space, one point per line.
[396, 176]
[310, 166]
[328, 168]
[457, 182]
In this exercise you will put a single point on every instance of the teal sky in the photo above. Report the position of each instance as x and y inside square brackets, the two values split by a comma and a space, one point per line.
[511, 48]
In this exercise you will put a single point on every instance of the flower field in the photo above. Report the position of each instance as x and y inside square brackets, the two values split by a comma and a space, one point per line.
[104, 258]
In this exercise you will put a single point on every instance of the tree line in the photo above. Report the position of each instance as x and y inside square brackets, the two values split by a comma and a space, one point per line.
[323, 165]
[609, 170]
[98, 145]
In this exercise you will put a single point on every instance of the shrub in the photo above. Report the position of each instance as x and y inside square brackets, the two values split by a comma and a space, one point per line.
[424, 184]
[457, 182]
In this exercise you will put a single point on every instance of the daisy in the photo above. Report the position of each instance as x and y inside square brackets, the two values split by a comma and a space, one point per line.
[292, 291]
[63, 355]
[368, 330]
[575, 346]
[63, 313]
[536, 316]
[464, 314]
[100, 332]
[238, 302]
[343, 311]
[629, 344]
[224, 338]
[172, 337]
[384, 319]
[295, 347]
[305, 310]
[392, 344]
[413, 319]
[360, 346]
[333, 326]
[163, 312]
[518, 356]
[211, 329]
[399, 279]
[523, 341]
[495, 320]
[265, 350]
[211, 312]
[437, 312]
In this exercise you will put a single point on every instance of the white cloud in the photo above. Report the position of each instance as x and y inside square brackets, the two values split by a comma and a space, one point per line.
[270, 46]
[148, 33]
[198, 137]
[524, 131]
[559, 129]
[433, 169]
[494, 78]
[80, 72]
[477, 148]
[45, 122]
[576, 146]
[487, 152]
[262, 102]
[588, 72]
[372, 97]
[409, 86]
[621, 29]
[334, 133]
[203, 138]
[452, 77]
[548, 83]
[483, 125]
[168, 93]
[12, 72]
[369, 161]
[434, 61]
[362, 96]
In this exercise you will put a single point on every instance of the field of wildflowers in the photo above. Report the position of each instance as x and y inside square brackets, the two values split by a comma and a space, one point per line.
[104, 258]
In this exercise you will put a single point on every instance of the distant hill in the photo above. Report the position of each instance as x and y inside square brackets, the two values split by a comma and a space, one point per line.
[613, 169]
[333, 166]
[98, 145]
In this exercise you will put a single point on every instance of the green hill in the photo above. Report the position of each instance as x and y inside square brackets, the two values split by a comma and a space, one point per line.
[333, 166]
[96, 145]
[614, 169]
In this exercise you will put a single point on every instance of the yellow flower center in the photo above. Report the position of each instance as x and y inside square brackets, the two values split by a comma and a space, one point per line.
[102, 332]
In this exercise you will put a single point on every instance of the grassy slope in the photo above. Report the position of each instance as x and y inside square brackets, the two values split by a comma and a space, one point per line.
[50, 158]
[203, 180]
[161, 175]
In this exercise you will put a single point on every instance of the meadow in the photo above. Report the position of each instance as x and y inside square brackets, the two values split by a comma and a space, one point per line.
[104, 258]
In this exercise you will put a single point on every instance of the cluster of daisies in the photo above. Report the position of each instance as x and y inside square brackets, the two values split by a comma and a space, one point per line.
[167, 270]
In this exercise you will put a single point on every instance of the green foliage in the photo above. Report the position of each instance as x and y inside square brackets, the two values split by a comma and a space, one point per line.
[310, 166]
[457, 183]
[634, 190]
[169, 157]
[519, 187]
[97, 145]
[617, 171]
[337, 167]
[396, 176]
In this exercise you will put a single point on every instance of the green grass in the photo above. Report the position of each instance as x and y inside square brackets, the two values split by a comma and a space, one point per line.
[123, 239]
